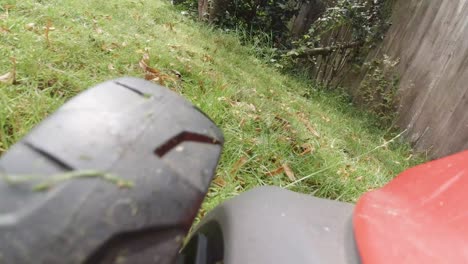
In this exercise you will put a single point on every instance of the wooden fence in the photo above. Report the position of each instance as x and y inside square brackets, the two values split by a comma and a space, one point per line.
[430, 38]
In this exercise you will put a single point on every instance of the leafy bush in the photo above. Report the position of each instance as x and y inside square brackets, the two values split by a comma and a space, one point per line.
[271, 16]
[378, 90]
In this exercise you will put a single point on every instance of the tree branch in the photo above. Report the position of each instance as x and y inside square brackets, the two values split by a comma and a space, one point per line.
[323, 50]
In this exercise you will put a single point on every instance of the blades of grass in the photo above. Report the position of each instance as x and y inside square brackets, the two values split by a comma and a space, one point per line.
[339, 163]
[61, 177]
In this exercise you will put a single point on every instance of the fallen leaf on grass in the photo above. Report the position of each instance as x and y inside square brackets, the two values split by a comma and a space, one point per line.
[152, 74]
[190, 53]
[183, 59]
[306, 122]
[275, 172]
[9, 77]
[285, 139]
[343, 172]
[285, 124]
[307, 148]
[242, 122]
[47, 29]
[30, 26]
[207, 58]
[7, 8]
[109, 47]
[219, 181]
[289, 172]
[174, 48]
[246, 106]
[169, 26]
[111, 67]
[241, 162]
[136, 16]
[201, 213]
[177, 73]
[144, 65]
[325, 118]
[4, 30]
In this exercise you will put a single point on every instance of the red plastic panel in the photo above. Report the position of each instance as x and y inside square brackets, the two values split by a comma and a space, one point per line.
[419, 217]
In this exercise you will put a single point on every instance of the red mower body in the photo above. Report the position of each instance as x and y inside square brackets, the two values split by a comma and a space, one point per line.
[419, 217]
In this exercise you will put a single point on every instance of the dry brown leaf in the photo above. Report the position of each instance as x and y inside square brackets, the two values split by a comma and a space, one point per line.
[109, 47]
[136, 16]
[285, 124]
[183, 59]
[238, 165]
[177, 73]
[306, 122]
[285, 139]
[152, 74]
[240, 181]
[219, 181]
[343, 172]
[9, 77]
[169, 26]
[4, 30]
[5, 15]
[207, 58]
[110, 67]
[190, 53]
[283, 121]
[289, 172]
[325, 118]
[174, 48]
[188, 68]
[47, 29]
[144, 65]
[8, 7]
[275, 172]
[307, 148]
[242, 122]
[30, 26]
[246, 106]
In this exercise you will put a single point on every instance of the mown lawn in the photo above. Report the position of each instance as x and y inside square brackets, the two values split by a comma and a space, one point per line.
[279, 129]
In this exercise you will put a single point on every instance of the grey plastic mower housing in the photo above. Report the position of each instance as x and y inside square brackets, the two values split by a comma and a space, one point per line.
[273, 225]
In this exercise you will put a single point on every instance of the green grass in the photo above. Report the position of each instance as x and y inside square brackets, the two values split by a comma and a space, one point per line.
[267, 117]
